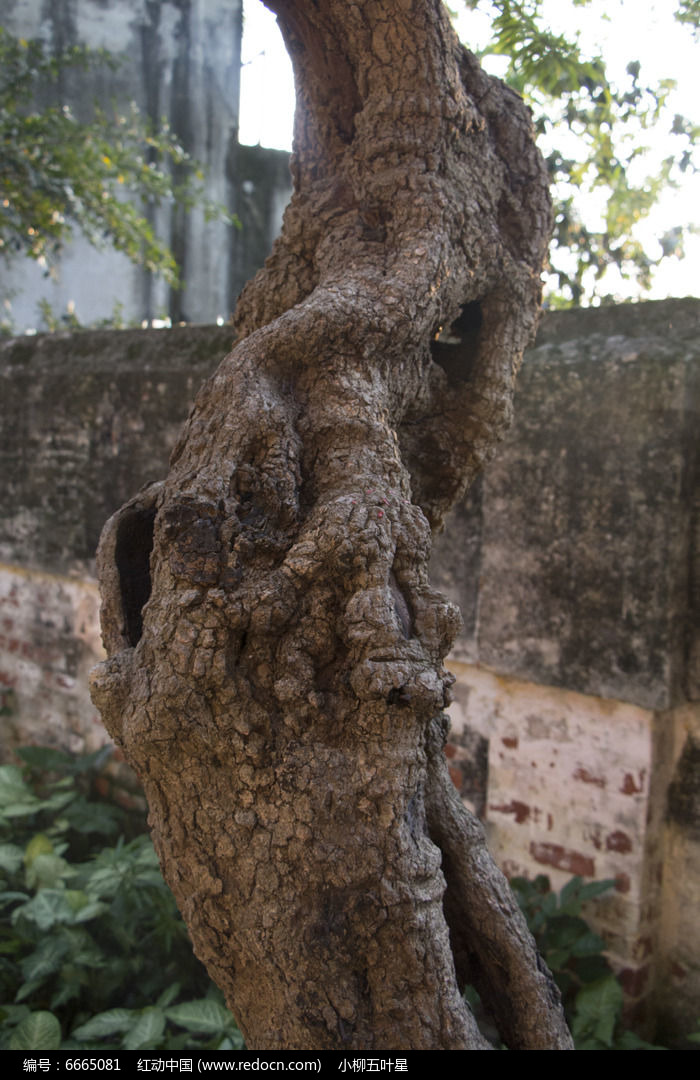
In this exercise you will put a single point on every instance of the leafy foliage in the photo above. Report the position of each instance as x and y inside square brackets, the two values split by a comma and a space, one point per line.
[689, 12]
[60, 173]
[93, 952]
[597, 134]
[69, 320]
[592, 996]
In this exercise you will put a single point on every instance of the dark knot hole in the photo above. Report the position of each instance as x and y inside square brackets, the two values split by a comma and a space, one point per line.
[133, 553]
[455, 346]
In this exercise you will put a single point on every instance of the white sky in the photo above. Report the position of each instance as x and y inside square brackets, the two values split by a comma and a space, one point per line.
[620, 30]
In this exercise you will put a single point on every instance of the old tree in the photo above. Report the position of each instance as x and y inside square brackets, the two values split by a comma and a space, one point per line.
[275, 650]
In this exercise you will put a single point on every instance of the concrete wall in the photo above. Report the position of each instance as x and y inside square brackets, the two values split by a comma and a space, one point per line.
[85, 420]
[583, 535]
[178, 60]
[576, 729]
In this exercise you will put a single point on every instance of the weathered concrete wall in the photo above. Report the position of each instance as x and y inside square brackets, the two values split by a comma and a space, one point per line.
[86, 419]
[49, 640]
[577, 723]
[583, 537]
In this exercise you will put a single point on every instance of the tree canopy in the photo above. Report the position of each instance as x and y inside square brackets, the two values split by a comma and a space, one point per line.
[597, 134]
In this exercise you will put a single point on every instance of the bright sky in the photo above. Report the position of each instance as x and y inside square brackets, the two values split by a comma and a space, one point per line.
[620, 30]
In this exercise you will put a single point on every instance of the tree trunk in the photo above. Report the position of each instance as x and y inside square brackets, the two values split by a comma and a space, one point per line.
[275, 650]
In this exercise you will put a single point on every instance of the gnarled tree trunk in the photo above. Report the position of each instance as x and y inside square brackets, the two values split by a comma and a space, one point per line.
[275, 649]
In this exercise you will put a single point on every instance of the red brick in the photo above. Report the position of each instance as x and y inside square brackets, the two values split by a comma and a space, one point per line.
[519, 809]
[622, 883]
[630, 787]
[563, 859]
[618, 841]
[587, 778]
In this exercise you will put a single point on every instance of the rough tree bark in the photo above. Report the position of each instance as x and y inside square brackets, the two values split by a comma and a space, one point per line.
[275, 650]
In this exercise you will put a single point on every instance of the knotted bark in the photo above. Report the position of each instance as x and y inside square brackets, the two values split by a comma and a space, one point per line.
[275, 650]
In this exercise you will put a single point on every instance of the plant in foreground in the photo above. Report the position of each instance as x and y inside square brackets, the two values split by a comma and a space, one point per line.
[575, 954]
[93, 952]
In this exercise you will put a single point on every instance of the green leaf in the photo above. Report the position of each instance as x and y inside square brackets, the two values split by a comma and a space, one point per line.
[16, 797]
[46, 958]
[231, 1042]
[90, 911]
[598, 1006]
[45, 758]
[689, 12]
[106, 1023]
[588, 944]
[38, 845]
[557, 958]
[60, 175]
[147, 1030]
[58, 799]
[10, 897]
[629, 1041]
[11, 858]
[567, 937]
[90, 817]
[38, 1031]
[48, 871]
[594, 889]
[12, 1014]
[48, 759]
[203, 1017]
[168, 995]
[46, 909]
[28, 989]
[591, 968]
[570, 896]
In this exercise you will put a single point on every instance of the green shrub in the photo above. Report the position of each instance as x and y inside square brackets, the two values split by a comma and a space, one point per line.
[93, 952]
[592, 996]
